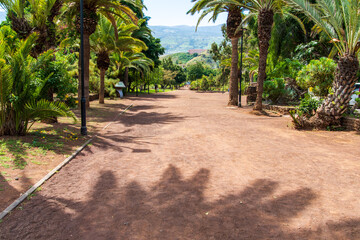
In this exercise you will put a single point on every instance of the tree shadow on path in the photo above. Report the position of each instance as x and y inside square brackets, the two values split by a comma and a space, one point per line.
[174, 208]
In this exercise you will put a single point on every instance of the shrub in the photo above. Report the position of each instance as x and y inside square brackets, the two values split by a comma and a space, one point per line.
[194, 85]
[287, 68]
[60, 80]
[307, 109]
[308, 106]
[204, 84]
[274, 90]
[318, 75]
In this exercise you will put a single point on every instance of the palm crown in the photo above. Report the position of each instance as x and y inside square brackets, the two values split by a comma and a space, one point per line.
[340, 20]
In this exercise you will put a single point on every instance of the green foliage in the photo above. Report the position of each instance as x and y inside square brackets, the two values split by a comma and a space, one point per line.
[177, 73]
[204, 83]
[339, 20]
[59, 69]
[182, 38]
[195, 71]
[20, 88]
[274, 90]
[182, 57]
[318, 75]
[312, 50]
[308, 106]
[194, 85]
[203, 58]
[285, 68]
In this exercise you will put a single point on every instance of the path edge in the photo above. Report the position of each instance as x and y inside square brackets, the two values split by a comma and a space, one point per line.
[52, 172]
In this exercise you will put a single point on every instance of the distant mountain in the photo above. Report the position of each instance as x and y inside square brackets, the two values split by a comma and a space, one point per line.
[183, 38]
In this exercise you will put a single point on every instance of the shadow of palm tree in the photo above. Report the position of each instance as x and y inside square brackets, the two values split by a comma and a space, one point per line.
[111, 141]
[174, 208]
[152, 97]
[148, 118]
[11, 192]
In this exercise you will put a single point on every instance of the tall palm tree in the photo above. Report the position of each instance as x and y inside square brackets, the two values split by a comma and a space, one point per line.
[104, 41]
[264, 10]
[234, 18]
[340, 21]
[92, 9]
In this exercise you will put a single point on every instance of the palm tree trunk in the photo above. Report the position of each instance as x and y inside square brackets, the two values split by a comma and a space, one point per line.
[86, 71]
[334, 106]
[102, 86]
[233, 85]
[265, 22]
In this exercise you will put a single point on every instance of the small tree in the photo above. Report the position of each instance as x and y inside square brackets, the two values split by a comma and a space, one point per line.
[204, 83]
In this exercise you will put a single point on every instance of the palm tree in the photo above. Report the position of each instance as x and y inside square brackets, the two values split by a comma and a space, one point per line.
[264, 10]
[104, 41]
[233, 22]
[340, 21]
[124, 61]
[38, 18]
[20, 89]
[92, 9]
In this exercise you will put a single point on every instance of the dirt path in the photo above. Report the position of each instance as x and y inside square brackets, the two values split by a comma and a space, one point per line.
[183, 166]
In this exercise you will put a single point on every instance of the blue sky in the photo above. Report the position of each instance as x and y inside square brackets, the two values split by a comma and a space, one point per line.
[170, 13]
[173, 13]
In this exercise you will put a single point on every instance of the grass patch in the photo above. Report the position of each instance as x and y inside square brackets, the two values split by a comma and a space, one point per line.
[17, 152]
[38, 163]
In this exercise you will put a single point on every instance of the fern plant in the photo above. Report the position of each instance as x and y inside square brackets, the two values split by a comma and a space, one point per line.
[20, 89]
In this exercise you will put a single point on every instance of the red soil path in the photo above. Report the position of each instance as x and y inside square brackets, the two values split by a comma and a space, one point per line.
[183, 166]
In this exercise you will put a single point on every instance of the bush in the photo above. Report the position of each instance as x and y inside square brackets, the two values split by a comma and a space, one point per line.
[317, 76]
[274, 90]
[194, 85]
[307, 109]
[109, 87]
[308, 106]
[287, 68]
[58, 71]
[204, 84]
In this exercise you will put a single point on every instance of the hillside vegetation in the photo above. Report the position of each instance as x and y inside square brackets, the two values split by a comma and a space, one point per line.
[183, 38]
[186, 59]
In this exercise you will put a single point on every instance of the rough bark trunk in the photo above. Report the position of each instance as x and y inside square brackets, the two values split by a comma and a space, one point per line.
[334, 106]
[9, 125]
[265, 22]
[86, 71]
[233, 85]
[102, 86]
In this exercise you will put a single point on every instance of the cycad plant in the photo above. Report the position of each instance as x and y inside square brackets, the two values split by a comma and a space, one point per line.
[31, 16]
[20, 89]
[215, 7]
[340, 21]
